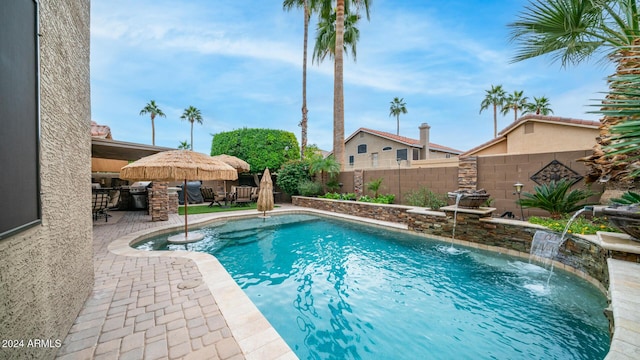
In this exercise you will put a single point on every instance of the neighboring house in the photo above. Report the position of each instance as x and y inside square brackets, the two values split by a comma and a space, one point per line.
[533, 134]
[367, 149]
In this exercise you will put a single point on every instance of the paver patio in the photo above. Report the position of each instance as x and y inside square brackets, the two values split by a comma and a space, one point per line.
[150, 307]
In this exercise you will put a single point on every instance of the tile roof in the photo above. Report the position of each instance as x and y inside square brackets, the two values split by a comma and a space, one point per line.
[100, 131]
[404, 140]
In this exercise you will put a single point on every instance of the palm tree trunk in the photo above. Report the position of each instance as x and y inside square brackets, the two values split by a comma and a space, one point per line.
[153, 131]
[495, 121]
[192, 136]
[603, 167]
[303, 122]
[338, 88]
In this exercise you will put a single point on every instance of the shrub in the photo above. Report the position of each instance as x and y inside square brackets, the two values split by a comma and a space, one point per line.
[580, 225]
[628, 198]
[556, 198]
[261, 148]
[348, 196]
[384, 199]
[331, 195]
[374, 186]
[424, 197]
[380, 199]
[309, 188]
[290, 176]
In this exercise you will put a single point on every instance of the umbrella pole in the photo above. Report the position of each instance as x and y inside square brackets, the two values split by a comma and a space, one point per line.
[225, 192]
[186, 202]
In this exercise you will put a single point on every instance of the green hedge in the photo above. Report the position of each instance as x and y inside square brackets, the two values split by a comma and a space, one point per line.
[261, 148]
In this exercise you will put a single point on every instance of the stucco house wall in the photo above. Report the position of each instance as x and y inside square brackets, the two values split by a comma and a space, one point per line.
[46, 272]
[382, 149]
[537, 137]
[375, 145]
[536, 134]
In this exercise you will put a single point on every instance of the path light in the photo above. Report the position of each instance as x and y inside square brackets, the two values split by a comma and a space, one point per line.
[399, 160]
[519, 187]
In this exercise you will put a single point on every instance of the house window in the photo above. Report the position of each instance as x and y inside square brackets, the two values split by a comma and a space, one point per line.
[20, 92]
[362, 149]
[351, 160]
[448, 156]
[528, 128]
[386, 148]
[361, 135]
[401, 154]
[374, 159]
[416, 154]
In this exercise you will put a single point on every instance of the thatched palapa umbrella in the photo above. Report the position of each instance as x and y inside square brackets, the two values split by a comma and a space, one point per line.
[240, 165]
[265, 196]
[179, 165]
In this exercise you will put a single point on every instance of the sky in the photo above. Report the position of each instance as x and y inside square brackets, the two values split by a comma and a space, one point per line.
[240, 63]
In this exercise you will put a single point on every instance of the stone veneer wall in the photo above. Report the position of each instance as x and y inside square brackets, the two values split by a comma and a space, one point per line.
[159, 201]
[577, 253]
[46, 272]
[468, 173]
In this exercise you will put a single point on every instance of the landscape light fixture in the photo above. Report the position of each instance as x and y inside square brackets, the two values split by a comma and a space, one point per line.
[399, 160]
[519, 187]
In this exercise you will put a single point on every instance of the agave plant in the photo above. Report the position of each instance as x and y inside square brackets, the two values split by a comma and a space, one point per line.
[556, 198]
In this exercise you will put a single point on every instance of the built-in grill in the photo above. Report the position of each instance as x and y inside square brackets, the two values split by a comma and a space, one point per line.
[139, 193]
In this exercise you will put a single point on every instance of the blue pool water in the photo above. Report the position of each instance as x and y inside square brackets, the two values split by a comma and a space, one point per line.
[338, 290]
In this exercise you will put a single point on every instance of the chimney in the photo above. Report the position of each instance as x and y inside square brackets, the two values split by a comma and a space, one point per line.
[424, 140]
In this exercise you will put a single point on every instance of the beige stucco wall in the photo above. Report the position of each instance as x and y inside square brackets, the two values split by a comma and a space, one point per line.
[46, 272]
[499, 148]
[548, 137]
[386, 159]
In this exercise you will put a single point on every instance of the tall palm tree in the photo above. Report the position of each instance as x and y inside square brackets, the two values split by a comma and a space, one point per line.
[326, 36]
[397, 107]
[572, 31]
[192, 115]
[515, 102]
[495, 98]
[338, 67]
[539, 106]
[308, 6]
[153, 110]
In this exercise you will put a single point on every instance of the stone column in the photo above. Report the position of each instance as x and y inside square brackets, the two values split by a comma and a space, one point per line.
[173, 201]
[358, 182]
[468, 173]
[159, 201]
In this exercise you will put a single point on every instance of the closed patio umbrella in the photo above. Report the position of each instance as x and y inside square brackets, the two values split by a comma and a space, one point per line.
[179, 165]
[265, 196]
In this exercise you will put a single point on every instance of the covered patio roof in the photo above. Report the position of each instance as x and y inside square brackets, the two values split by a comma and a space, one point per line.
[121, 150]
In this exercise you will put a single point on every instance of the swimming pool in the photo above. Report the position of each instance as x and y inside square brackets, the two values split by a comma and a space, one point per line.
[341, 290]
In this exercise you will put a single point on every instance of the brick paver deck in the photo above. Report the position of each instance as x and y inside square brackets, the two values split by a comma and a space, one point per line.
[159, 307]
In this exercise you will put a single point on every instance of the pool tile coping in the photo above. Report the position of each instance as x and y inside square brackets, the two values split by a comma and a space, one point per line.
[259, 340]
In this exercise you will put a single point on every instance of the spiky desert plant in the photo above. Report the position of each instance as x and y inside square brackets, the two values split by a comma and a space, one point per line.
[556, 198]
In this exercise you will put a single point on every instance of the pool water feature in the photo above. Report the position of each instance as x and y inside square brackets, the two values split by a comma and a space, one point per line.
[341, 290]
